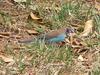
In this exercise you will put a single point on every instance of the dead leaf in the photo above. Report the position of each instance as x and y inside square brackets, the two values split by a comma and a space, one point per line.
[7, 59]
[32, 32]
[98, 1]
[1, 36]
[5, 33]
[97, 6]
[34, 17]
[9, 2]
[78, 45]
[16, 36]
[20, 1]
[80, 58]
[87, 28]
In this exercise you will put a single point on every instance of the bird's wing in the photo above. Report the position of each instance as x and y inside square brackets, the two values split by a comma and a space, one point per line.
[55, 33]
[59, 38]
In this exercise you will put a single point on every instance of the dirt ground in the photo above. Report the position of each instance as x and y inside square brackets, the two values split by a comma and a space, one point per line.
[14, 60]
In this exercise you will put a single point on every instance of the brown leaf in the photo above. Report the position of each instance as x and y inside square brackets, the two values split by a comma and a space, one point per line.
[5, 33]
[1, 36]
[9, 2]
[34, 17]
[78, 45]
[32, 32]
[97, 6]
[87, 28]
[20, 1]
[16, 36]
[7, 59]
[80, 58]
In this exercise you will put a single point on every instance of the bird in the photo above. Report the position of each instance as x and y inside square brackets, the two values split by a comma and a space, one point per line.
[54, 36]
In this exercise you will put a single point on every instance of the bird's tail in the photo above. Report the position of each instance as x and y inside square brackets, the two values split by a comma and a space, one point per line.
[27, 40]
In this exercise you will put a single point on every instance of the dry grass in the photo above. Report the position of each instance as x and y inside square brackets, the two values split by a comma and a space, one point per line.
[37, 58]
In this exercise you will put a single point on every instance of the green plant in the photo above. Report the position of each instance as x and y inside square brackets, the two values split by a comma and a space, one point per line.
[41, 52]
[21, 64]
[6, 19]
[97, 23]
[95, 72]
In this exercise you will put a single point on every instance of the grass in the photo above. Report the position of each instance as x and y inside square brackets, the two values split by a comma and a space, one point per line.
[37, 54]
[51, 53]
[96, 72]
[96, 68]
[97, 22]
[6, 19]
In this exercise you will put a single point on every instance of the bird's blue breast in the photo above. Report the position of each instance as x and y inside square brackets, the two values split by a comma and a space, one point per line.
[58, 38]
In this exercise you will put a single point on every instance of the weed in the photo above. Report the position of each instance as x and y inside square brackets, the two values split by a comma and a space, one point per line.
[97, 23]
[48, 53]
[21, 64]
[38, 53]
[96, 72]
[6, 19]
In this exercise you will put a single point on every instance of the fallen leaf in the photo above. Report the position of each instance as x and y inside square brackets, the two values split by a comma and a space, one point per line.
[20, 1]
[98, 1]
[87, 28]
[34, 17]
[7, 59]
[97, 6]
[5, 33]
[10, 2]
[80, 58]
[1, 36]
[32, 32]
[16, 36]
[57, 72]
[78, 45]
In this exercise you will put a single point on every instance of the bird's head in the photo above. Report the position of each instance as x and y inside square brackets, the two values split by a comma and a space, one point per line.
[70, 31]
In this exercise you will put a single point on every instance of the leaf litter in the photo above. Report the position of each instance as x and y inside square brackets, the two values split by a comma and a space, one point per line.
[87, 28]
[78, 44]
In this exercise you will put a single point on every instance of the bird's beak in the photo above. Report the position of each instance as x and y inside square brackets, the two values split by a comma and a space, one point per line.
[72, 34]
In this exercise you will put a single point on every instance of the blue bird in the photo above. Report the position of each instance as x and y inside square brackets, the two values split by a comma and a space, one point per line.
[55, 36]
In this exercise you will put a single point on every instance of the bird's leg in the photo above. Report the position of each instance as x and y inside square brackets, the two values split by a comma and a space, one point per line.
[71, 38]
[61, 43]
